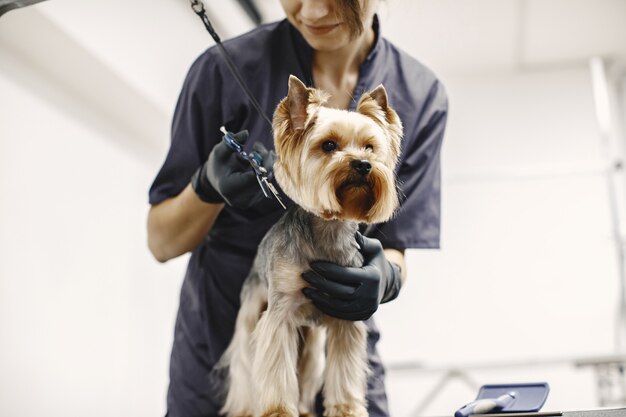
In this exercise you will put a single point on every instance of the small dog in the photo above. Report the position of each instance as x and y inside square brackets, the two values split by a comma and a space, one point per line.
[338, 167]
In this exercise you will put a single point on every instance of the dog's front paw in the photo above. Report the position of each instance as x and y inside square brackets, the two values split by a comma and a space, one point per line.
[280, 411]
[345, 410]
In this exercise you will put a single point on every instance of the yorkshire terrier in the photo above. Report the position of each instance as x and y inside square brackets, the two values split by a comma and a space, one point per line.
[338, 167]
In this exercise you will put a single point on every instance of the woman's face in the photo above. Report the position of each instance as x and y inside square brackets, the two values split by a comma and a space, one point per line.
[321, 24]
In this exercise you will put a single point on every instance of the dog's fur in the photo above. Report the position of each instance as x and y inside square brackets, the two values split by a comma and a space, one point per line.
[276, 359]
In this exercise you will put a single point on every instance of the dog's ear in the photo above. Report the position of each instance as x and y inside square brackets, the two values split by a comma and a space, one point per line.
[298, 100]
[373, 101]
[375, 105]
[379, 95]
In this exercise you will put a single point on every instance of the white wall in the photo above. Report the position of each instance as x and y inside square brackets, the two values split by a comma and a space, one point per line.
[86, 316]
[527, 272]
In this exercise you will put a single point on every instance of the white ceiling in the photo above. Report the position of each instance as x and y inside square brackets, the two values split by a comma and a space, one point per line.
[148, 45]
[476, 35]
[152, 40]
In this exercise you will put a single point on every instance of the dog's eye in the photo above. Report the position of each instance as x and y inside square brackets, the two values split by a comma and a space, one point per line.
[329, 146]
[369, 147]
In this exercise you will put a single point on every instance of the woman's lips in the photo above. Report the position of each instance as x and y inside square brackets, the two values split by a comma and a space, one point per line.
[320, 29]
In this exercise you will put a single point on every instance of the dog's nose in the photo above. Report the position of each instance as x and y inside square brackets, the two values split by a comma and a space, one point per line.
[361, 166]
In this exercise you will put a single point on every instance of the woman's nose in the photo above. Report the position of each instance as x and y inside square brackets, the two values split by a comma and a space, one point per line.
[313, 10]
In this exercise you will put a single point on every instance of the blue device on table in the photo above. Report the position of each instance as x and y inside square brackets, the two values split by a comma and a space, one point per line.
[507, 398]
[486, 405]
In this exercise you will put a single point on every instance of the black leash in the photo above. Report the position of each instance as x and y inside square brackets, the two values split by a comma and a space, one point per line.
[198, 8]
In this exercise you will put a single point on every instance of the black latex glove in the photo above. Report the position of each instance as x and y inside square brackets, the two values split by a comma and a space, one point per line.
[353, 293]
[226, 178]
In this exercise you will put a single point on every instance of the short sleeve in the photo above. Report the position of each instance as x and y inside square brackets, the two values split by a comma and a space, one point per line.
[417, 221]
[197, 114]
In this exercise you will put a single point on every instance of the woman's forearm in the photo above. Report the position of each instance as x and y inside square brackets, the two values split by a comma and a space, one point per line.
[394, 255]
[178, 224]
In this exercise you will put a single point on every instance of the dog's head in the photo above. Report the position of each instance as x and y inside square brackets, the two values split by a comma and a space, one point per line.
[335, 163]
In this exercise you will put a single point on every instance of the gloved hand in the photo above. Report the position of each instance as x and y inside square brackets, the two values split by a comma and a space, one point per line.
[353, 293]
[225, 178]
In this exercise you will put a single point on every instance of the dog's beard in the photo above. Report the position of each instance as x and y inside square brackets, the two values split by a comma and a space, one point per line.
[367, 199]
[334, 191]
[356, 197]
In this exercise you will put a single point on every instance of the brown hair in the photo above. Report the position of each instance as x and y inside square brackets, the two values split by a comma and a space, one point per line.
[352, 14]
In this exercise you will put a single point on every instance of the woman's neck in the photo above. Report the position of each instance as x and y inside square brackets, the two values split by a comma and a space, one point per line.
[337, 71]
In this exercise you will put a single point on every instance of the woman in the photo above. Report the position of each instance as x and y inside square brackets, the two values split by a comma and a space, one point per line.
[204, 201]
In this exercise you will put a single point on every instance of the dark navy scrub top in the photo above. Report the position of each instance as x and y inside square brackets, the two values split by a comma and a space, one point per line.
[211, 98]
